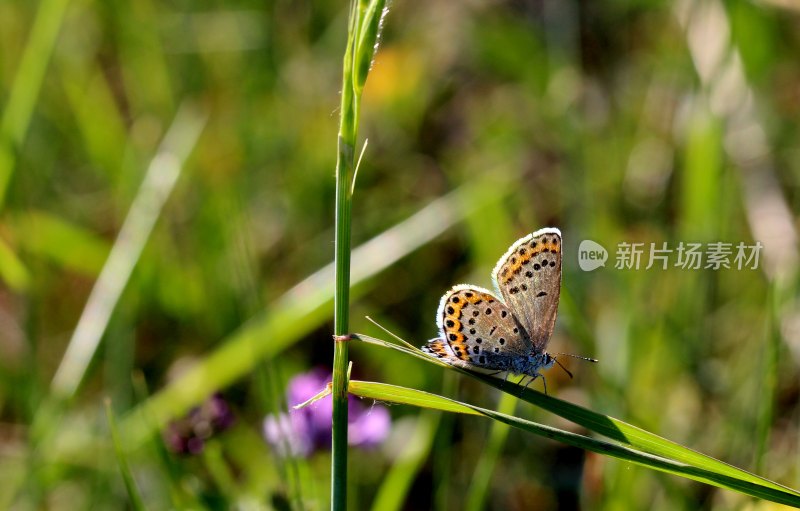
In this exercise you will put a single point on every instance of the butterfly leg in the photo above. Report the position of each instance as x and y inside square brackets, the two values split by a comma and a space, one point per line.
[530, 381]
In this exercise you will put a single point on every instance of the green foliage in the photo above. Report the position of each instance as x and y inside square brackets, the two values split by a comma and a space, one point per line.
[647, 449]
[638, 122]
[127, 476]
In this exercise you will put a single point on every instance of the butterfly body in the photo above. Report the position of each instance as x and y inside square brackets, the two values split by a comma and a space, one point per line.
[509, 332]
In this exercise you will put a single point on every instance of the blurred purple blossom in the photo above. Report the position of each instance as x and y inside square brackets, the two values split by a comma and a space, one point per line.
[189, 434]
[303, 431]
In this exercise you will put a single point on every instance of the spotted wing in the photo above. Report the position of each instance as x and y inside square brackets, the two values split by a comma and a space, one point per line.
[439, 348]
[477, 329]
[528, 277]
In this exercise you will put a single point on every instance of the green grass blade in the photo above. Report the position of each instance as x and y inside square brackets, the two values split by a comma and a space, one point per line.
[769, 376]
[127, 476]
[217, 466]
[610, 427]
[403, 395]
[145, 210]
[55, 239]
[12, 270]
[28, 81]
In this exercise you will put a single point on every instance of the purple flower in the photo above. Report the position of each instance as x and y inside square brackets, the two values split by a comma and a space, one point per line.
[189, 434]
[303, 431]
[371, 426]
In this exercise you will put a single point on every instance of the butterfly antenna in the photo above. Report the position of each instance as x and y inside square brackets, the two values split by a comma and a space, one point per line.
[562, 367]
[588, 359]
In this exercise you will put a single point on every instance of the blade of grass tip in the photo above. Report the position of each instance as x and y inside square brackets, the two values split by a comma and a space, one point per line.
[627, 433]
[161, 176]
[403, 395]
[127, 477]
[608, 426]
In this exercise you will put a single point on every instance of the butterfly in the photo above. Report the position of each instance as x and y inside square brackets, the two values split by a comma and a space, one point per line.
[509, 333]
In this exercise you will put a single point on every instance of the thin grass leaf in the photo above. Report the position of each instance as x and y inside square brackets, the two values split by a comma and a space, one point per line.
[610, 427]
[102, 126]
[704, 474]
[66, 244]
[27, 83]
[127, 476]
[769, 376]
[218, 468]
[12, 270]
[159, 180]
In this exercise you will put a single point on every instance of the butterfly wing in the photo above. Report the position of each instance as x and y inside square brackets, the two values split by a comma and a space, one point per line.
[477, 329]
[441, 349]
[528, 277]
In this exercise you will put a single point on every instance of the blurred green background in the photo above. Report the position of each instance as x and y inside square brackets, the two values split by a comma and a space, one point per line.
[642, 121]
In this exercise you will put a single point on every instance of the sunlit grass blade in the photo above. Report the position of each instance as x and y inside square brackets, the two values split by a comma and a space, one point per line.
[159, 180]
[610, 427]
[703, 472]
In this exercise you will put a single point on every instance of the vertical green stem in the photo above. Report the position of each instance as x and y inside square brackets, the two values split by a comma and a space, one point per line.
[345, 164]
[341, 326]
[362, 36]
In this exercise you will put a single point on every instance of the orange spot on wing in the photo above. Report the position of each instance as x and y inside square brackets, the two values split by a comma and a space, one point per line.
[512, 269]
[458, 346]
[437, 346]
[453, 336]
